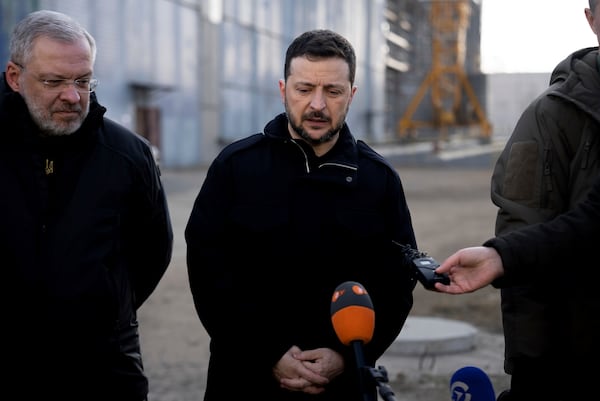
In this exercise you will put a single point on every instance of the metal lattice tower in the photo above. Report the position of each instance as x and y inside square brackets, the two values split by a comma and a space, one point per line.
[447, 79]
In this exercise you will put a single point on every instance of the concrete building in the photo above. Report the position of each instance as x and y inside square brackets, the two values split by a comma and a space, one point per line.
[194, 75]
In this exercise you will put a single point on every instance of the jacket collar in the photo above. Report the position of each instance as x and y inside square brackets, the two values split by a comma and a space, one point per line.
[344, 151]
[577, 80]
[339, 165]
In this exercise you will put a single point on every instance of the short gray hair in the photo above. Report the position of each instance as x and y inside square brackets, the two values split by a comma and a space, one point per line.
[46, 23]
[593, 4]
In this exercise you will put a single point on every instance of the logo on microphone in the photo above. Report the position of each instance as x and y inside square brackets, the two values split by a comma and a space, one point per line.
[471, 383]
[356, 288]
[460, 391]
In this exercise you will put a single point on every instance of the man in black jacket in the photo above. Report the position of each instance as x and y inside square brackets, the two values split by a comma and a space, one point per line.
[547, 166]
[85, 235]
[282, 219]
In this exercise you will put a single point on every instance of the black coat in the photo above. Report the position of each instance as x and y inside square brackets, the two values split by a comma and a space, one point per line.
[82, 246]
[273, 231]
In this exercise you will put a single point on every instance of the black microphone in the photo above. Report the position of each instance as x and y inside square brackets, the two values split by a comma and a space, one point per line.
[470, 383]
[353, 320]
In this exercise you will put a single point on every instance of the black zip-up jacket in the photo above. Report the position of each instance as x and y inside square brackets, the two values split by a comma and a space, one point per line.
[85, 238]
[273, 231]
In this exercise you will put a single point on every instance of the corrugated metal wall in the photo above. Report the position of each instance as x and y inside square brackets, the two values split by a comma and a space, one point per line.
[206, 71]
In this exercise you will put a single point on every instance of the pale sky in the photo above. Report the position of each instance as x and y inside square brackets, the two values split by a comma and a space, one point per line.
[531, 35]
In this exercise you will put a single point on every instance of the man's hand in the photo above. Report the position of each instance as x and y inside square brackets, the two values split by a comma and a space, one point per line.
[308, 371]
[470, 269]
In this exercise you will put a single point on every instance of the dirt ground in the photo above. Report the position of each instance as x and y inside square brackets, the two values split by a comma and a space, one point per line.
[450, 207]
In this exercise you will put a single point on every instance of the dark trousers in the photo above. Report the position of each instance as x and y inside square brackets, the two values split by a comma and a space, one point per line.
[545, 380]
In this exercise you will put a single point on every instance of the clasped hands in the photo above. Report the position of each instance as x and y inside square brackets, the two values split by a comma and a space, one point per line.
[308, 371]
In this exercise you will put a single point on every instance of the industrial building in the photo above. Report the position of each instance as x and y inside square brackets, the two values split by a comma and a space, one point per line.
[194, 75]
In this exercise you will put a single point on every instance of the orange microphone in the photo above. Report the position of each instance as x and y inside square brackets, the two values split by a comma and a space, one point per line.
[353, 320]
[352, 313]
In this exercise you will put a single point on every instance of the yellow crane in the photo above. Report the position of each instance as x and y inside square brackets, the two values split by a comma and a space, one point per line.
[447, 79]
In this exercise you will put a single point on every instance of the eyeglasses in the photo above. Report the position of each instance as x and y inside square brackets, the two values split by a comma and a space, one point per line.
[82, 85]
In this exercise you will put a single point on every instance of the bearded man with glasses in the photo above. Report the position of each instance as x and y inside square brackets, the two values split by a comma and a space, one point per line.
[86, 234]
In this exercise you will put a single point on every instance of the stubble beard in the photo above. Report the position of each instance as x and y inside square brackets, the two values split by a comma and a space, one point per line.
[296, 124]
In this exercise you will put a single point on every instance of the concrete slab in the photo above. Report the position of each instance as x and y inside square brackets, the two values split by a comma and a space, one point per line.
[432, 335]
[430, 349]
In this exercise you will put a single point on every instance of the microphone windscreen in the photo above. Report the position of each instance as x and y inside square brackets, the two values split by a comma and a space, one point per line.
[352, 313]
[470, 383]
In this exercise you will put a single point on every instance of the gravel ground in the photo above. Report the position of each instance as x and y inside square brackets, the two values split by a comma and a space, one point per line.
[450, 208]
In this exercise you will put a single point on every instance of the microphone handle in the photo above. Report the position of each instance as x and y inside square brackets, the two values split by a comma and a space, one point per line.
[363, 372]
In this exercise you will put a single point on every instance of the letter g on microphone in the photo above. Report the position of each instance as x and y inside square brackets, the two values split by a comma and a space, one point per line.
[471, 383]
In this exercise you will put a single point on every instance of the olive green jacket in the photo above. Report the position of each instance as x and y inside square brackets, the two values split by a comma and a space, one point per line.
[548, 165]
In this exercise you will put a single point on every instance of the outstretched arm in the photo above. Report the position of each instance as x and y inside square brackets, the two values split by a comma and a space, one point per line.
[544, 248]
[470, 269]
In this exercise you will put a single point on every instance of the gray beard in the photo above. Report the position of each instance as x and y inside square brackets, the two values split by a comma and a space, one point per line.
[48, 127]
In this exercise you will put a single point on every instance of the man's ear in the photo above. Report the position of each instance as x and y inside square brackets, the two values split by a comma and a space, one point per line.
[589, 15]
[282, 90]
[12, 74]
